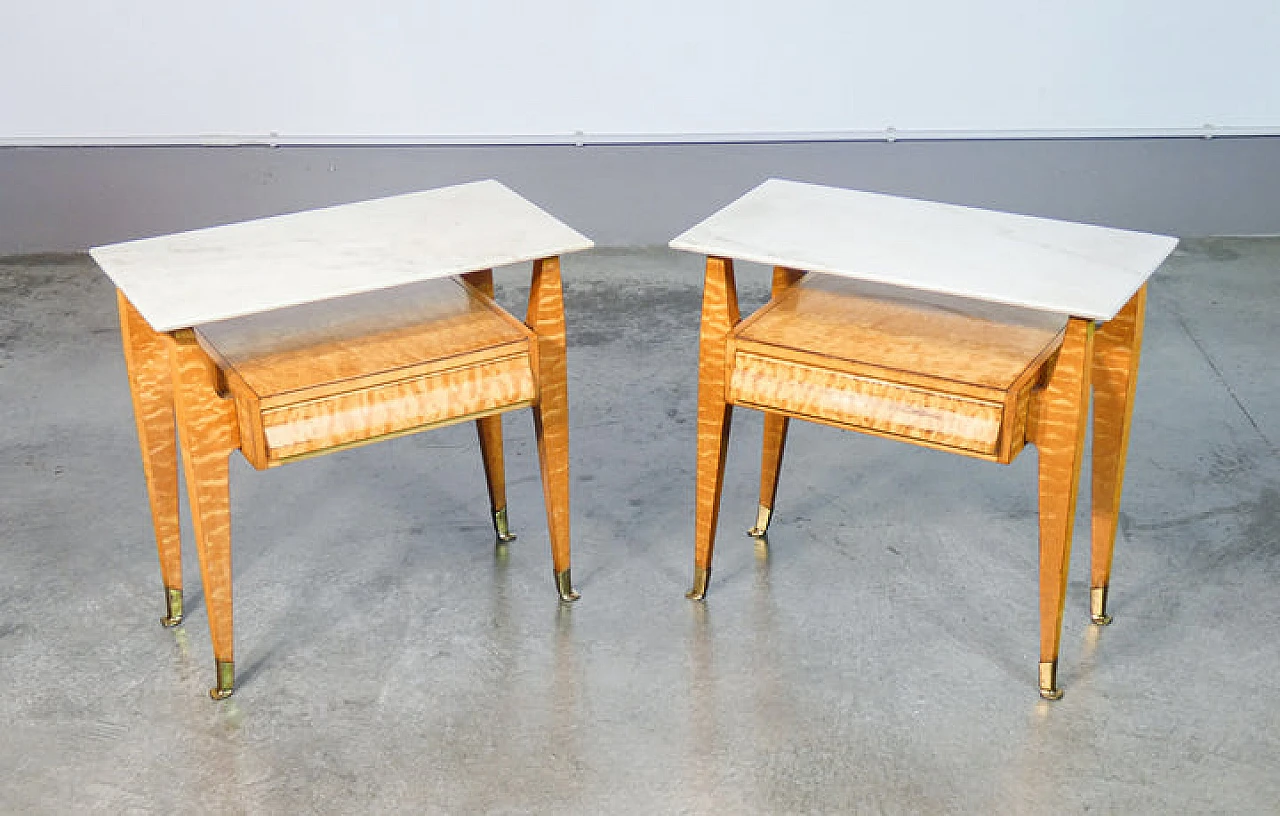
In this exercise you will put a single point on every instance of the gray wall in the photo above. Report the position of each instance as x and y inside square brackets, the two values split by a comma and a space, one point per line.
[71, 198]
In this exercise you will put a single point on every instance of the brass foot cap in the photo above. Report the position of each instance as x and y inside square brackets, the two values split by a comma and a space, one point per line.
[226, 670]
[173, 605]
[501, 526]
[701, 577]
[1098, 606]
[564, 585]
[763, 515]
[1049, 681]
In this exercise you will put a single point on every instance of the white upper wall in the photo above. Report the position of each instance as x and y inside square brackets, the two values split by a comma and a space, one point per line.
[492, 70]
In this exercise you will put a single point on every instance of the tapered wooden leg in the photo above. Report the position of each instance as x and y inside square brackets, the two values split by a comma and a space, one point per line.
[775, 442]
[207, 424]
[1115, 377]
[146, 355]
[489, 430]
[551, 413]
[1059, 431]
[775, 431]
[719, 315]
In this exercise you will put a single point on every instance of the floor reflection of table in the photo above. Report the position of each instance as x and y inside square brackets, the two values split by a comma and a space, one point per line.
[296, 335]
[955, 328]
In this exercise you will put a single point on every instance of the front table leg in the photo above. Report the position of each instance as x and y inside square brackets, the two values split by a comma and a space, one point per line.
[207, 423]
[719, 315]
[1115, 377]
[1059, 431]
[551, 413]
[146, 355]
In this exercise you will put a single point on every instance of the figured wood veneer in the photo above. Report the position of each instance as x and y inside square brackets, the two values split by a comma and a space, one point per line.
[326, 375]
[551, 411]
[941, 371]
[837, 398]
[918, 349]
[323, 376]
[968, 377]
[146, 355]
[1114, 376]
[301, 345]
[1060, 415]
[774, 441]
[366, 414]
[489, 428]
[715, 413]
[985, 345]
[207, 423]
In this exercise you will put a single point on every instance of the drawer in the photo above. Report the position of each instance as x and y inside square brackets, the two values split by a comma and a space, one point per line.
[867, 403]
[338, 373]
[395, 408]
[932, 369]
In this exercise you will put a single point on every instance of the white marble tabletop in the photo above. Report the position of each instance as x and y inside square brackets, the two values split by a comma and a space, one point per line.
[183, 280]
[1039, 263]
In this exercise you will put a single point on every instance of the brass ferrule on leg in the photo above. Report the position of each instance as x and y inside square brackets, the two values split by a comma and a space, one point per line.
[1049, 681]
[173, 604]
[763, 515]
[226, 680]
[564, 585]
[501, 527]
[701, 577]
[1098, 606]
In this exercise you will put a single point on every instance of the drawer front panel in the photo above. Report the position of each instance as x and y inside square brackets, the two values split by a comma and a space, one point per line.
[389, 408]
[863, 402]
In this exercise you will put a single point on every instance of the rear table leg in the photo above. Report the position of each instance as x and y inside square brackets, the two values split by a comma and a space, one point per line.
[489, 429]
[490, 432]
[775, 442]
[775, 431]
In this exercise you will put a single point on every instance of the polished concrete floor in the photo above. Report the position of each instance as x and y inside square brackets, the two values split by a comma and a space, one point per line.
[879, 657]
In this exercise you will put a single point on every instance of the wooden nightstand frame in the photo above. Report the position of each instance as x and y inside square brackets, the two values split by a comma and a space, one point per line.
[1045, 404]
[183, 380]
